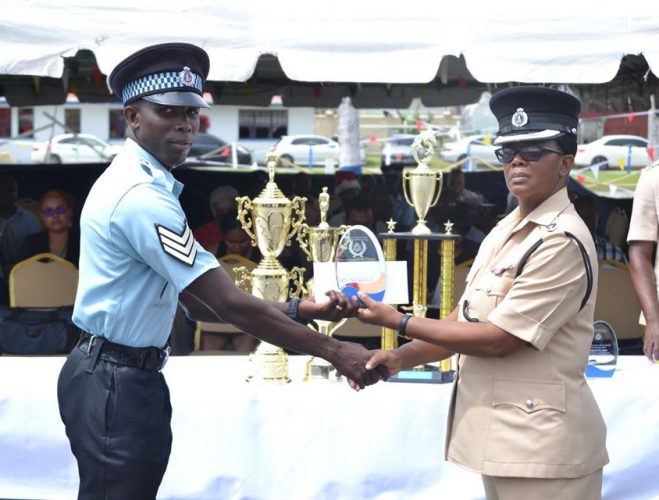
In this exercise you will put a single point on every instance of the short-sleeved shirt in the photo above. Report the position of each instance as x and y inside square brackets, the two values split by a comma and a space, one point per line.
[137, 252]
[644, 223]
[24, 223]
[531, 413]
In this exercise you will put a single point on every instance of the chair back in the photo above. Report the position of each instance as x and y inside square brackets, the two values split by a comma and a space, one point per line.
[43, 280]
[617, 303]
[231, 261]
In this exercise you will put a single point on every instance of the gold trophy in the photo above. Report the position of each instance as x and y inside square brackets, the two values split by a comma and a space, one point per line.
[319, 244]
[425, 185]
[271, 220]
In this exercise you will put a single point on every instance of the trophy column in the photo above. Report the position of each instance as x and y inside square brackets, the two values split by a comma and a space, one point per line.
[389, 339]
[271, 220]
[446, 287]
[319, 244]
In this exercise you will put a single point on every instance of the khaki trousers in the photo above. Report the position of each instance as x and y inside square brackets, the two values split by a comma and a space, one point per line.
[515, 488]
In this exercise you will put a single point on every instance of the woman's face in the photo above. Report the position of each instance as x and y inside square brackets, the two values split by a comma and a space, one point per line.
[238, 242]
[532, 182]
[56, 214]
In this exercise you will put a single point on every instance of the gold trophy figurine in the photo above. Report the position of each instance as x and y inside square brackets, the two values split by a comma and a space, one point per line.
[319, 243]
[271, 220]
[425, 185]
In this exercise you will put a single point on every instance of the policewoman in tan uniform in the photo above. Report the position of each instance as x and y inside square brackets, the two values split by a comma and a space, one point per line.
[522, 414]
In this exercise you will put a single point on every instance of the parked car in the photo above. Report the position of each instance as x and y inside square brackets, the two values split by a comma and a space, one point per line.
[612, 148]
[74, 148]
[300, 149]
[212, 148]
[474, 145]
[397, 151]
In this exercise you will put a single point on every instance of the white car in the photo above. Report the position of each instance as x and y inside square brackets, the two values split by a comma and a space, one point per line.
[302, 149]
[613, 149]
[474, 146]
[74, 148]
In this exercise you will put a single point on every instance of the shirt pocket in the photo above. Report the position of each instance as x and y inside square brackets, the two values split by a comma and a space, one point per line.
[528, 422]
[486, 294]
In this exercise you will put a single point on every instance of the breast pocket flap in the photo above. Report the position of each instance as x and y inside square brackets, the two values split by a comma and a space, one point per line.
[529, 396]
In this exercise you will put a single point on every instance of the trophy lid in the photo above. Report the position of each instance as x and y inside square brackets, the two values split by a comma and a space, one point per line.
[271, 193]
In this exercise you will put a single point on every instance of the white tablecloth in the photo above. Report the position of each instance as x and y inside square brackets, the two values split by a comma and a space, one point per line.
[316, 440]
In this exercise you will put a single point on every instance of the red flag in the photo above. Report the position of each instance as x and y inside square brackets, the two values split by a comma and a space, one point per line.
[650, 150]
[581, 179]
[630, 117]
[419, 125]
[373, 138]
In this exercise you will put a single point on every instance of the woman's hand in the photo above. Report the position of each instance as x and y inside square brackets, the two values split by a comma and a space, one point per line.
[336, 308]
[388, 362]
[377, 313]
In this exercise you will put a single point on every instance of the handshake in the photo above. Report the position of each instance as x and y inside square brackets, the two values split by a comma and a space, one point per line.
[360, 366]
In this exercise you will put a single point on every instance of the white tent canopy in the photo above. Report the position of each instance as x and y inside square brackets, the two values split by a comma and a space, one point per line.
[362, 42]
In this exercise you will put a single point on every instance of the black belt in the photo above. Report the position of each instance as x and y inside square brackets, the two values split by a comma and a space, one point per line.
[147, 358]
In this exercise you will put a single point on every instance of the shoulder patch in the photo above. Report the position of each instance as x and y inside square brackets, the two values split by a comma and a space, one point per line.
[178, 245]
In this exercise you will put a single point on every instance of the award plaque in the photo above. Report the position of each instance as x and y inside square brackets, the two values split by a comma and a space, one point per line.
[360, 264]
[603, 355]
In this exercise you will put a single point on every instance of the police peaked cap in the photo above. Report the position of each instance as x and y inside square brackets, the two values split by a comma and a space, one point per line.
[172, 74]
[532, 113]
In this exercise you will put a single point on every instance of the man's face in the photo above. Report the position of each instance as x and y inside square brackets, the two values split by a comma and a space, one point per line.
[166, 132]
[238, 242]
[360, 217]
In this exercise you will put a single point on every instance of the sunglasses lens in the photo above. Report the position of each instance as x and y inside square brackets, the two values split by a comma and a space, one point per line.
[505, 155]
[532, 153]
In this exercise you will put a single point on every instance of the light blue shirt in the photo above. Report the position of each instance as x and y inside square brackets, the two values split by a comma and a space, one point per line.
[24, 223]
[137, 252]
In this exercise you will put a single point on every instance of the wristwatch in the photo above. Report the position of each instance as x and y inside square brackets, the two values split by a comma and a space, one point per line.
[294, 311]
[402, 326]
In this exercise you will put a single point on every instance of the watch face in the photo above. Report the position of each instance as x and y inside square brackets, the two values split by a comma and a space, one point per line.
[360, 264]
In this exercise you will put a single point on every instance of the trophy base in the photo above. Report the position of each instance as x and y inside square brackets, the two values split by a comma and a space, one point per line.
[319, 369]
[427, 374]
[270, 365]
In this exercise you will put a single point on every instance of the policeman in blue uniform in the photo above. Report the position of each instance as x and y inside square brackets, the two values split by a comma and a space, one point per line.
[137, 259]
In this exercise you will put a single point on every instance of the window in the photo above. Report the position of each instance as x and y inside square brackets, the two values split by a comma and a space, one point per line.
[26, 121]
[5, 122]
[262, 124]
[72, 120]
[117, 124]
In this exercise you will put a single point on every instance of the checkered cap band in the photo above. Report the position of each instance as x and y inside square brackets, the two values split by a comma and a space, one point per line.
[158, 82]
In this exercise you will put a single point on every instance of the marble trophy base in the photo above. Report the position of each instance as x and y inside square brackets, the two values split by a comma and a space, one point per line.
[424, 374]
[320, 369]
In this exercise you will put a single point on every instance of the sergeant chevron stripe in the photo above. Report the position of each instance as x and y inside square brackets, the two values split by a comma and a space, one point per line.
[180, 246]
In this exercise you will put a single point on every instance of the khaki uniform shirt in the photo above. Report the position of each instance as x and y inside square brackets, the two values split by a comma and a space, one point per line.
[644, 224]
[531, 413]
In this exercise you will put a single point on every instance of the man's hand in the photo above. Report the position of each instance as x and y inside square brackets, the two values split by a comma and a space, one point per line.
[350, 361]
[377, 313]
[336, 308]
[387, 360]
[651, 342]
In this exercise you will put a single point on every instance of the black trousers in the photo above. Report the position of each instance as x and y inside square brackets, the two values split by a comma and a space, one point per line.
[117, 419]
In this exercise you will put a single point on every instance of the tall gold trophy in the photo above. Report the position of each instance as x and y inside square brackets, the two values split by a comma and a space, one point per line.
[319, 243]
[425, 185]
[271, 220]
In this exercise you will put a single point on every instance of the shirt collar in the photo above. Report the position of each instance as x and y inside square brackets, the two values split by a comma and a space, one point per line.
[158, 170]
[543, 215]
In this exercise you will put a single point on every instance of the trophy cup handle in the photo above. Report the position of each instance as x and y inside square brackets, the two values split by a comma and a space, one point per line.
[297, 217]
[243, 278]
[303, 237]
[297, 277]
[439, 178]
[406, 178]
[244, 207]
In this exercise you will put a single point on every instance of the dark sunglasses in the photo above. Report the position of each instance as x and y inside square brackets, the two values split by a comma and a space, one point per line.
[49, 212]
[529, 153]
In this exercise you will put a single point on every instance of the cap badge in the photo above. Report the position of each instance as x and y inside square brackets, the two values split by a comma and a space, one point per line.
[520, 118]
[186, 76]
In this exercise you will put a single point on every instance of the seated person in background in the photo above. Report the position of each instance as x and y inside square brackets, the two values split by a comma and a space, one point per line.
[302, 187]
[455, 191]
[586, 207]
[382, 205]
[403, 212]
[358, 211]
[21, 221]
[346, 187]
[59, 237]
[236, 243]
[222, 201]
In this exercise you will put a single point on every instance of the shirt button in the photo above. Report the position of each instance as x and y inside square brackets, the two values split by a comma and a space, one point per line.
[529, 404]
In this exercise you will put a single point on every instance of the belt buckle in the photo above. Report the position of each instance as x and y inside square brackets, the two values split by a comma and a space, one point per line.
[164, 354]
[90, 344]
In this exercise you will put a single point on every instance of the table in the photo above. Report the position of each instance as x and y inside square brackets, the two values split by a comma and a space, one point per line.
[314, 440]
